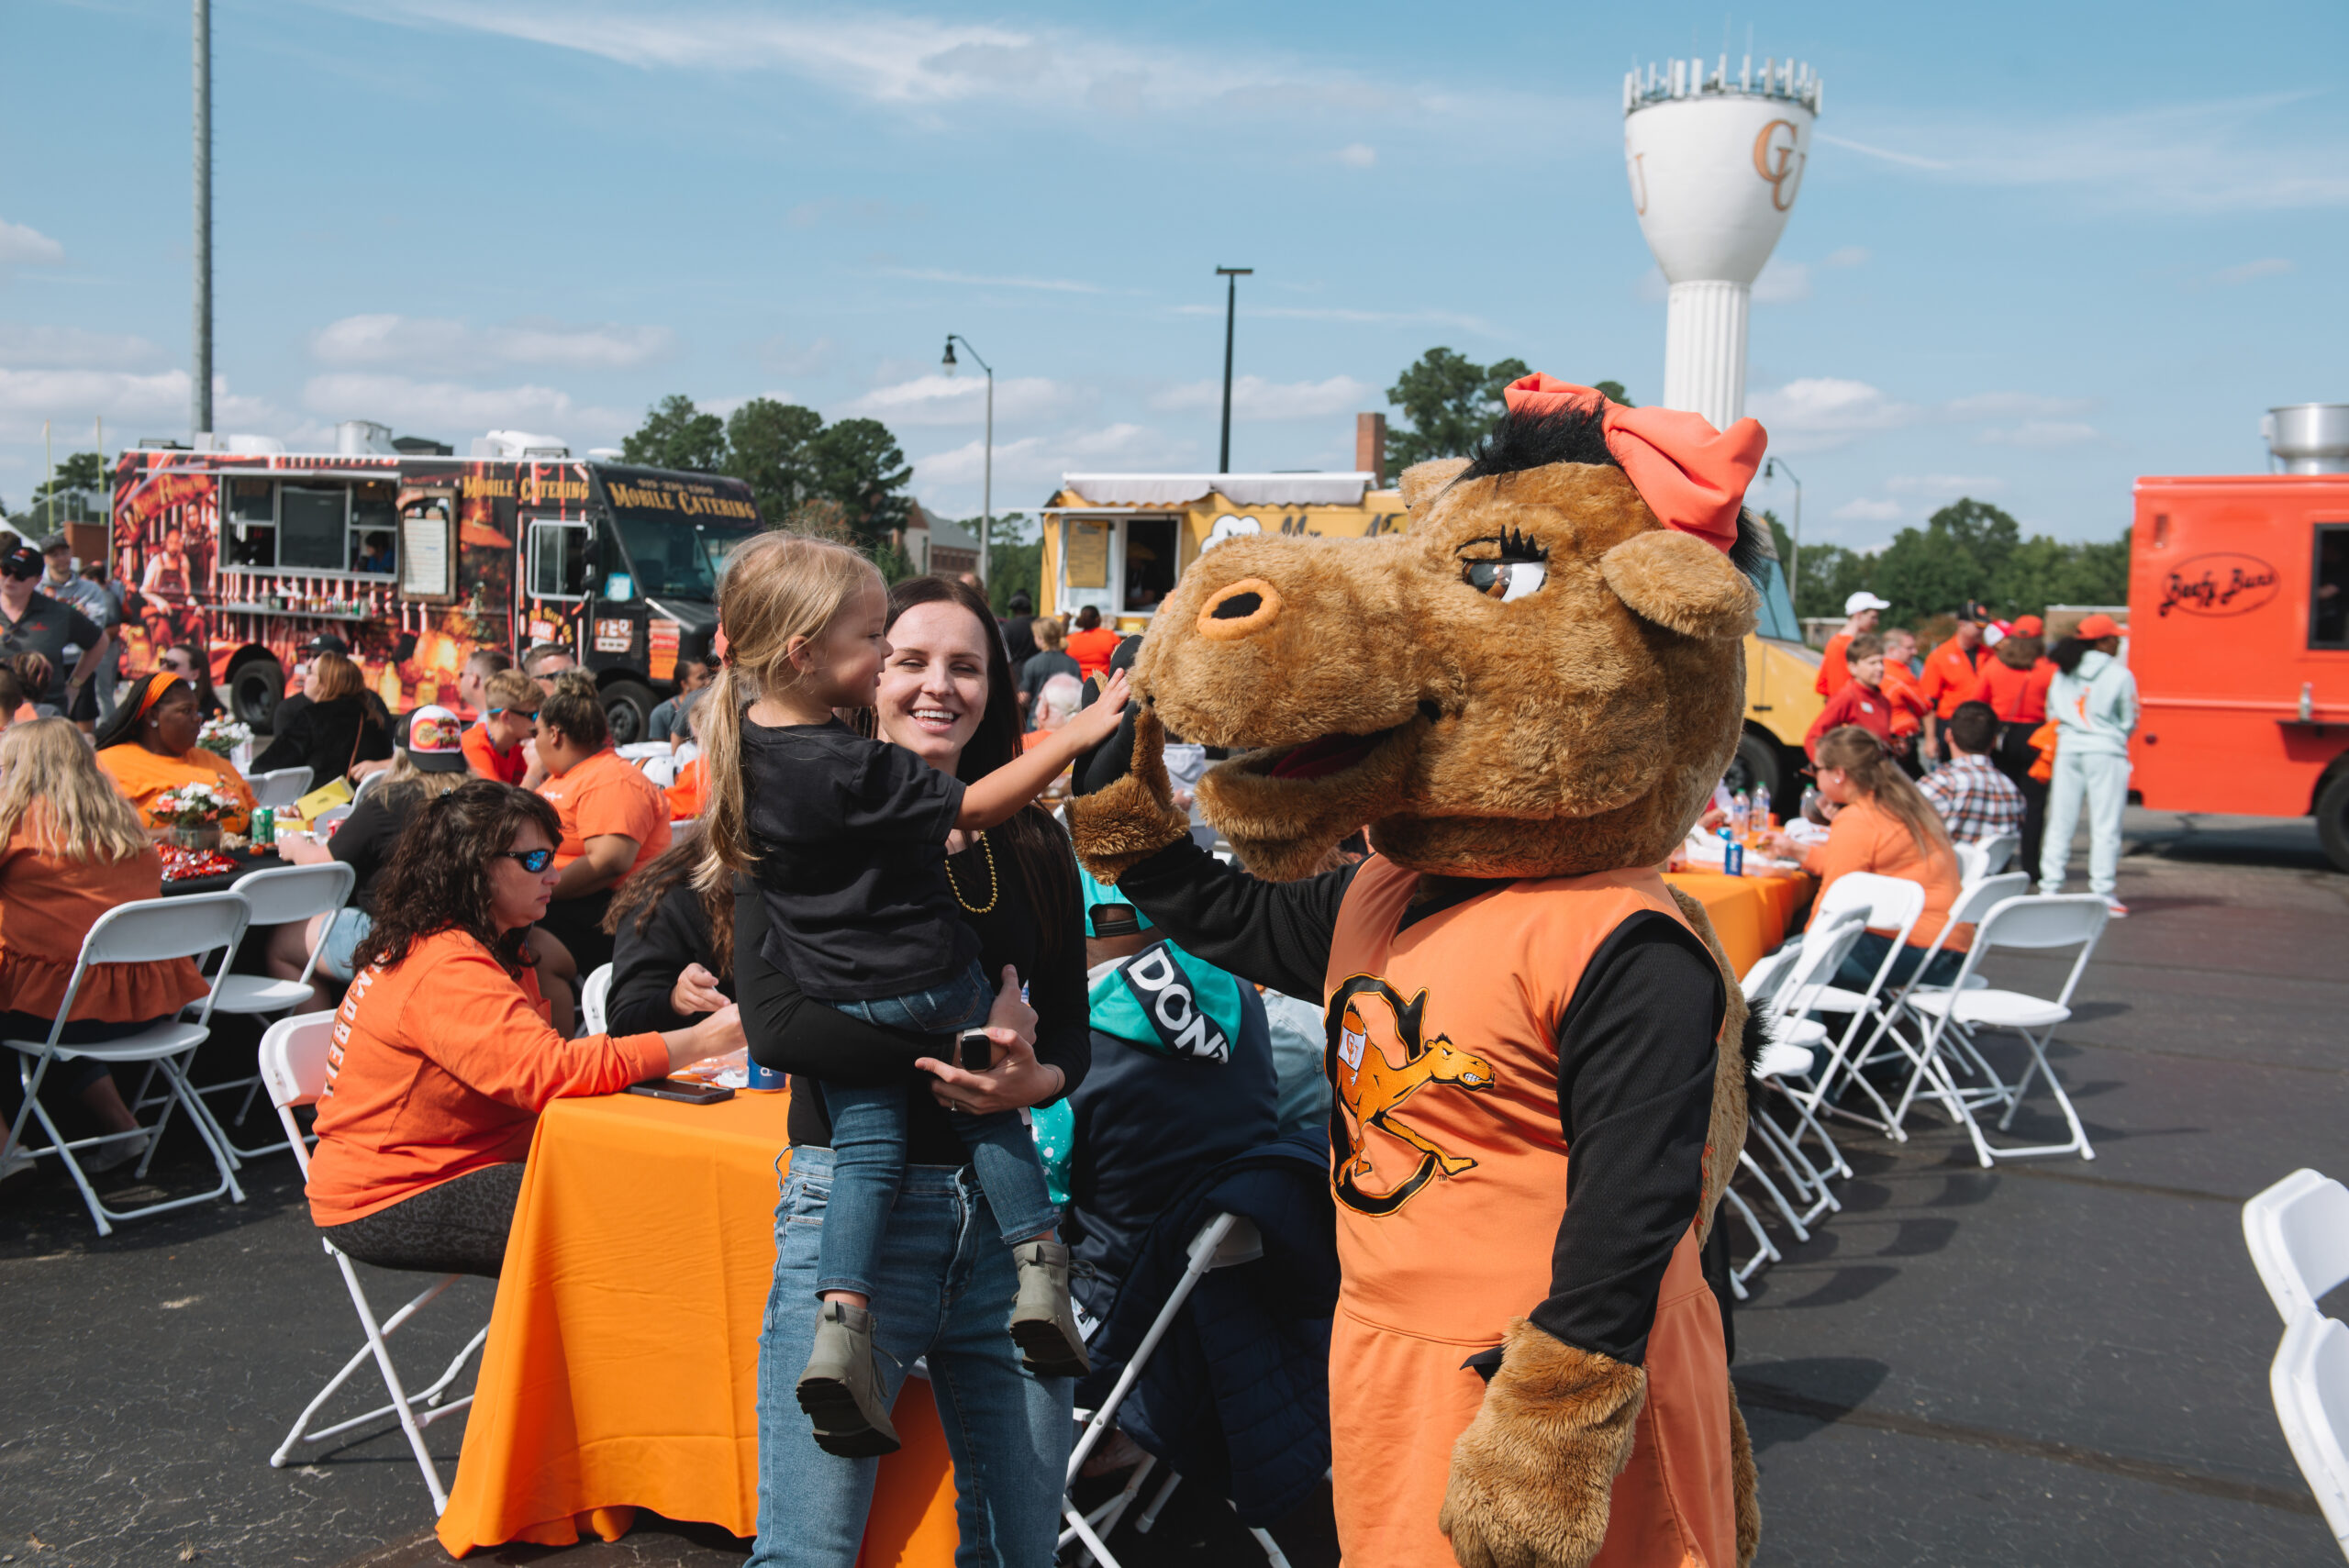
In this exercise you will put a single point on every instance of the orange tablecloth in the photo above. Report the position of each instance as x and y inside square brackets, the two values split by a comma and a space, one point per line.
[621, 1370]
[1749, 913]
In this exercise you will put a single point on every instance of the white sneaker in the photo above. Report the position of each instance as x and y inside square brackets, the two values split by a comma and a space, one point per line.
[2114, 907]
[116, 1151]
[16, 1163]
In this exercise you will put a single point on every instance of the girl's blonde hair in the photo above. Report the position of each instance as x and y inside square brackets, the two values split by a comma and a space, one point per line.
[1879, 779]
[403, 778]
[777, 588]
[80, 816]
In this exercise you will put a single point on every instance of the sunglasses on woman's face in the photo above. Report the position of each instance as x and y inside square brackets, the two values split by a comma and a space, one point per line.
[533, 860]
[518, 713]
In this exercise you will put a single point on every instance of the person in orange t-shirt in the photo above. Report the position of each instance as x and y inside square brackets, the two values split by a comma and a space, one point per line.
[499, 747]
[1092, 645]
[149, 749]
[613, 819]
[1900, 690]
[443, 1057]
[1950, 670]
[1882, 824]
[1860, 614]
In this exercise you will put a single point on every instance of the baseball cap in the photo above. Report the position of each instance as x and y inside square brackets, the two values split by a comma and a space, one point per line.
[54, 543]
[23, 561]
[434, 742]
[1864, 600]
[2100, 625]
[1976, 611]
[2029, 626]
[325, 643]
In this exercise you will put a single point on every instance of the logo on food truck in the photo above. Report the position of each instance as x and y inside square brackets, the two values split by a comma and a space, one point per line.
[2221, 583]
[683, 498]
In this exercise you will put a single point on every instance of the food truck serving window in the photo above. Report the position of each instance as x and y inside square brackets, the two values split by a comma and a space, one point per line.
[2329, 588]
[341, 529]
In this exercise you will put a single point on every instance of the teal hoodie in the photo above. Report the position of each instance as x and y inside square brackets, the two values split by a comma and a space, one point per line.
[2095, 708]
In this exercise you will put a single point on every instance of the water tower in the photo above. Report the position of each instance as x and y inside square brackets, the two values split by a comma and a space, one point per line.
[1715, 162]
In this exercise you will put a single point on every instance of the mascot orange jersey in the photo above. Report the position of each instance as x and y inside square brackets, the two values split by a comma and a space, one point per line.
[1535, 1046]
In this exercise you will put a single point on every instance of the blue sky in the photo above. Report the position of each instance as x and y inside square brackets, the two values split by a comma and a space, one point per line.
[2040, 250]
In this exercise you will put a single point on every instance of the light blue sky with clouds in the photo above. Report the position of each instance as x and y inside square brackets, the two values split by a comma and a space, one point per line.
[2040, 248]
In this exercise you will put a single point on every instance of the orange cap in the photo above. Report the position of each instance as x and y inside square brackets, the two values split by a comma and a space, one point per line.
[2095, 627]
[2029, 626]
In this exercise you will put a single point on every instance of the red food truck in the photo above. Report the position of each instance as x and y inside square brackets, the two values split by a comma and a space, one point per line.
[2239, 638]
[416, 561]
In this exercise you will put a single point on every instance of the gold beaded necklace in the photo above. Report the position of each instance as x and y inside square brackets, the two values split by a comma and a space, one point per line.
[994, 889]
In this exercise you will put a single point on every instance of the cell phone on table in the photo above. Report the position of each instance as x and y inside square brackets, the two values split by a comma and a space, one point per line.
[680, 1089]
[974, 1051]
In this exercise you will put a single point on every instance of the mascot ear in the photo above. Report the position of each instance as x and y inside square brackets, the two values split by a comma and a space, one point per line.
[1683, 584]
[1420, 481]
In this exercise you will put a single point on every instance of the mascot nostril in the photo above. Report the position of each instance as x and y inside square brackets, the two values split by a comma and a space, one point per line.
[1526, 696]
[1239, 609]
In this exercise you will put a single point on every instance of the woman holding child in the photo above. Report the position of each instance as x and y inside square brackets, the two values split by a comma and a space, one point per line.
[912, 1222]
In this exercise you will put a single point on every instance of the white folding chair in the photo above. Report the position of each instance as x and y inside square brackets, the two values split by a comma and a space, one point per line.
[1794, 987]
[1997, 850]
[636, 750]
[1224, 1241]
[1766, 1252]
[280, 896]
[148, 931]
[2298, 1231]
[1973, 862]
[1890, 904]
[2029, 923]
[1935, 1075]
[594, 1000]
[294, 1066]
[2310, 1383]
[279, 786]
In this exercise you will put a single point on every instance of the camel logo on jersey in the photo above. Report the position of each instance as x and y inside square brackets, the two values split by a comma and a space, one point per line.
[1372, 1085]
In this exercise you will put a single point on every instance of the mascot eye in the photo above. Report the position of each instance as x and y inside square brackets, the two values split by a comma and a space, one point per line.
[1505, 580]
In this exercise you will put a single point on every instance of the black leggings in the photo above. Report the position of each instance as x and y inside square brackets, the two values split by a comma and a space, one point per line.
[456, 1228]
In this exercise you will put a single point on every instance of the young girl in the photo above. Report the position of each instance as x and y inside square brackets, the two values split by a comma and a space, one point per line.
[847, 840]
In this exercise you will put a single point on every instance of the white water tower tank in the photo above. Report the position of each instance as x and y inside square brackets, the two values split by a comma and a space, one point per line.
[1716, 160]
[2307, 438]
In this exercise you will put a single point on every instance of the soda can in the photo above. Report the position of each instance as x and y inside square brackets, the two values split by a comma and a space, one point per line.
[264, 826]
[765, 1080]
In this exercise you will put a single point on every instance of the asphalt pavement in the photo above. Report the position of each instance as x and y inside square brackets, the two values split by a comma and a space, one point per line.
[2053, 1361]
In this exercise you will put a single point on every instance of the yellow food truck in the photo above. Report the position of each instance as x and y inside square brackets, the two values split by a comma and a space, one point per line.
[1119, 542]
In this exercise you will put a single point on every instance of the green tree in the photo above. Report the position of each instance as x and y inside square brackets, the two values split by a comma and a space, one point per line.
[677, 435]
[859, 464]
[80, 472]
[1450, 402]
[1014, 559]
[1615, 393]
[767, 448]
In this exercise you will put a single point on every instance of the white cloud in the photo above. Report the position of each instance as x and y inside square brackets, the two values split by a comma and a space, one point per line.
[1944, 483]
[2043, 434]
[1033, 464]
[72, 348]
[19, 243]
[1849, 256]
[1782, 282]
[2014, 405]
[1864, 511]
[389, 339]
[2267, 267]
[1358, 155]
[939, 275]
[158, 399]
[450, 409]
[959, 400]
[1253, 397]
[1819, 413]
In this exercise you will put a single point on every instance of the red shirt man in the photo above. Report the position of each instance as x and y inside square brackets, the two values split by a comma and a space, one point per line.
[1952, 669]
[2016, 695]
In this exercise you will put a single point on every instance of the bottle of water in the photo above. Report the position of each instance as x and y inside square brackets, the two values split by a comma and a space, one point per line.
[1741, 815]
[1761, 809]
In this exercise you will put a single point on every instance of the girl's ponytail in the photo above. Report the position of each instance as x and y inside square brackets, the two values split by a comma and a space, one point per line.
[726, 847]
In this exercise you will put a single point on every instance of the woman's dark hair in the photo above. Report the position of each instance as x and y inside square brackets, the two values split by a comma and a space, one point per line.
[635, 900]
[123, 725]
[2020, 651]
[1087, 618]
[437, 877]
[2067, 653]
[207, 701]
[574, 709]
[1039, 845]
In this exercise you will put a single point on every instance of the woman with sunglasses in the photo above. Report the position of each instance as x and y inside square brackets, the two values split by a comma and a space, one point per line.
[499, 747]
[148, 748]
[188, 662]
[447, 1056]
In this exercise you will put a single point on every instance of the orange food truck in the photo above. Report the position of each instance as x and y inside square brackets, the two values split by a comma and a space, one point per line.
[2239, 638]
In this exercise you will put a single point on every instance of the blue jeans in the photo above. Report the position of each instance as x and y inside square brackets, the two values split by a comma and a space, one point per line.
[1859, 966]
[945, 1291]
[869, 1143]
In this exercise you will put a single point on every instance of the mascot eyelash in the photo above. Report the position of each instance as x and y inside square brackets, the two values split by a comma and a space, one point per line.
[1522, 567]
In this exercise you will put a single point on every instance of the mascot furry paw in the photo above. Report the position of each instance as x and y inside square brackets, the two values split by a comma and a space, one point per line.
[1526, 697]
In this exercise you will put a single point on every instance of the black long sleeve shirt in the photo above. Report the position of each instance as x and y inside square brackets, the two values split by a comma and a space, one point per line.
[792, 1032]
[1636, 1056]
[648, 958]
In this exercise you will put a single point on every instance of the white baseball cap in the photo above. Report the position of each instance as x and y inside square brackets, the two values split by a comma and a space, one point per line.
[1864, 600]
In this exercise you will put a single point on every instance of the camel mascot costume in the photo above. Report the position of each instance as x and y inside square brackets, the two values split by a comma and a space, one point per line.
[1538, 1050]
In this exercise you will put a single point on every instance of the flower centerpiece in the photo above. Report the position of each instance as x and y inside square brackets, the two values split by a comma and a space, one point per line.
[194, 811]
[221, 736]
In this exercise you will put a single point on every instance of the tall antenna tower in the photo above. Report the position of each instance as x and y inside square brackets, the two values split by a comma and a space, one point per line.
[1715, 162]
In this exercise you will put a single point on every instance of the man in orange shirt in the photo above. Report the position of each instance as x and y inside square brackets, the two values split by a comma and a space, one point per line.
[1950, 670]
[2013, 681]
[615, 820]
[1860, 613]
[1900, 692]
[1091, 644]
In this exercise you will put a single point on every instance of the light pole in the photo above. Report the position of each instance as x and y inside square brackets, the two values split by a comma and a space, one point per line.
[200, 391]
[1231, 309]
[1794, 567]
[987, 486]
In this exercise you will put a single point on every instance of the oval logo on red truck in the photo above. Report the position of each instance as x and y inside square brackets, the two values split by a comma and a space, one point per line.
[2219, 584]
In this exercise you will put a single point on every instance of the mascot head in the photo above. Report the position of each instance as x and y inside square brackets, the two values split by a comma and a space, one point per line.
[1542, 676]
